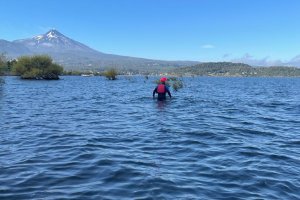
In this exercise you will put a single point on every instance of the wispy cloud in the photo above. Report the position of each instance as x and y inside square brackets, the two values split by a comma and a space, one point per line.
[226, 55]
[251, 60]
[207, 46]
[295, 61]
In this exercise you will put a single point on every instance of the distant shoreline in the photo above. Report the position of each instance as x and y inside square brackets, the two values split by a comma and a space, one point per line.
[184, 76]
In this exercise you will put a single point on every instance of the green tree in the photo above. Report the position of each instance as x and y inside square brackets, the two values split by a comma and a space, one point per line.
[37, 67]
[176, 83]
[10, 65]
[2, 63]
[111, 74]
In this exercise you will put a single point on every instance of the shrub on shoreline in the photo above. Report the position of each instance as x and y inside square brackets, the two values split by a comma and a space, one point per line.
[111, 74]
[37, 67]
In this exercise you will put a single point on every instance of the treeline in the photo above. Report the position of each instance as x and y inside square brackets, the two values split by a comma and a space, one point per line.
[277, 71]
[236, 69]
[42, 67]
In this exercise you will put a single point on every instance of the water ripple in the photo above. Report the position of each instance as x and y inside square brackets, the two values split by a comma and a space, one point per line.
[89, 138]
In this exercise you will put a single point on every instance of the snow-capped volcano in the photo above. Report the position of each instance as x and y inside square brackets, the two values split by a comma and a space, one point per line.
[53, 41]
[53, 36]
[75, 55]
[50, 35]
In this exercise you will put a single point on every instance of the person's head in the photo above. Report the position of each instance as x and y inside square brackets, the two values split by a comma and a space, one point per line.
[163, 80]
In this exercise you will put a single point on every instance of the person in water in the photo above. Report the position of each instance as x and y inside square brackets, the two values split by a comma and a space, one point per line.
[161, 90]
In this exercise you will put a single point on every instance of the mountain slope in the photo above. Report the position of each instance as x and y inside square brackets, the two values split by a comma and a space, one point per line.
[74, 55]
[13, 49]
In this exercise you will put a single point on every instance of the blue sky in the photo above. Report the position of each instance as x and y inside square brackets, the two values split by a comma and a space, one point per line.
[258, 31]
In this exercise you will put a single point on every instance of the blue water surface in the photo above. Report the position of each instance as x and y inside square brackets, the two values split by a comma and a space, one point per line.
[90, 138]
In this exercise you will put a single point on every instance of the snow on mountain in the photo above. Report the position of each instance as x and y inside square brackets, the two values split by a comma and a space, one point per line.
[39, 37]
[53, 41]
[51, 34]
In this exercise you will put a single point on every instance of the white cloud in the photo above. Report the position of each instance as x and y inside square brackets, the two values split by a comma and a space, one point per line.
[207, 46]
[251, 60]
[295, 61]
[262, 62]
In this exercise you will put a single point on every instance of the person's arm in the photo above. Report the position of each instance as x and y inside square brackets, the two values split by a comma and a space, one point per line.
[154, 91]
[168, 91]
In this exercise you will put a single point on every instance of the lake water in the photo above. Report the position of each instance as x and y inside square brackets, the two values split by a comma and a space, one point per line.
[90, 138]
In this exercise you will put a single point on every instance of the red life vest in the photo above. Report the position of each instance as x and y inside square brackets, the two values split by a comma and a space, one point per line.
[161, 88]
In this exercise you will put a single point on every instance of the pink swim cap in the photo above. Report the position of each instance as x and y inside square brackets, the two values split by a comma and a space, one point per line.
[163, 79]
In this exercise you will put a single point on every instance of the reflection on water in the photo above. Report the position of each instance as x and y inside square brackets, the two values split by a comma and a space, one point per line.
[89, 138]
[161, 105]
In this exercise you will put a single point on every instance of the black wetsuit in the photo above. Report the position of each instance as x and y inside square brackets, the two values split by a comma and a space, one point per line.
[161, 93]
